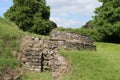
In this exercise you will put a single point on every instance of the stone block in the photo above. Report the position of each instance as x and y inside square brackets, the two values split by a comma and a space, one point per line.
[37, 70]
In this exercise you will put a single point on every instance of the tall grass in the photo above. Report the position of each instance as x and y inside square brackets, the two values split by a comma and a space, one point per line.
[9, 41]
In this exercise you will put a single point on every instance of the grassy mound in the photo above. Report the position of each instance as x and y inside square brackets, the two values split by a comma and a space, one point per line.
[9, 41]
[10, 36]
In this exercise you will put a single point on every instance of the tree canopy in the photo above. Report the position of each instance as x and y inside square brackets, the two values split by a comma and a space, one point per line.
[107, 21]
[30, 15]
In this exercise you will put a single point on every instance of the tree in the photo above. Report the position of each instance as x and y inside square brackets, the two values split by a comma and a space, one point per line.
[107, 20]
[30, 15]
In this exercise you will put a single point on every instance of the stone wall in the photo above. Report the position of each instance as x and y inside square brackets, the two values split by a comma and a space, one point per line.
[38, 54]
[71, 37]
[71, 45]
[71, 41]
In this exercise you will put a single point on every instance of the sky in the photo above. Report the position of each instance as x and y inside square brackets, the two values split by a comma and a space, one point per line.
[66, 13]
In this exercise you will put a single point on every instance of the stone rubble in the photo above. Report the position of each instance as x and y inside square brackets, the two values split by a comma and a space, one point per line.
[60, 67]
[9, 74]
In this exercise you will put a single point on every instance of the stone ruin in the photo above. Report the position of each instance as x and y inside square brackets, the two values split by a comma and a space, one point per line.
[40, 54]
[72, 40]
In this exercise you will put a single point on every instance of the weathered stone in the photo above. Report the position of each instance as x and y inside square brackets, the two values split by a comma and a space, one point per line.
[59, 67]
[30, 45]
[24, 59]
[31, 69]
[37, 70]
[62, 35]
[9, 74]
[29, 57]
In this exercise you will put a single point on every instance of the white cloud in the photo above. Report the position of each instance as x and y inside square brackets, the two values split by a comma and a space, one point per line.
[67, 23]
[63, 10]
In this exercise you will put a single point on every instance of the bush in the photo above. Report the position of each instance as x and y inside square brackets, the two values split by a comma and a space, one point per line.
[42, 27]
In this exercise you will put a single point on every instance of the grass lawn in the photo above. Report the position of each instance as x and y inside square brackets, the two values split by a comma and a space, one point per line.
[36, 76]
[103, 64]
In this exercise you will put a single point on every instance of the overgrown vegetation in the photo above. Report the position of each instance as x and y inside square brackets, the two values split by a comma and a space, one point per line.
[31, 15]
[10, 36]
[9, 41]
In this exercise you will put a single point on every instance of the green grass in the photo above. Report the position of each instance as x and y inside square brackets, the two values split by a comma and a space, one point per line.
[76, 30]
[9, 41]
[36, 76]
[103, 64]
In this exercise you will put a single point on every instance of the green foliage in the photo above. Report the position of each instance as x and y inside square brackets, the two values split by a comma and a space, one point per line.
[30, 15]
[42, 27]
[7, 58]
[107, 21]
[77, 30]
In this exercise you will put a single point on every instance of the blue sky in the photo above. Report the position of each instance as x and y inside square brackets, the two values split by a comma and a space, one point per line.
[66, 13]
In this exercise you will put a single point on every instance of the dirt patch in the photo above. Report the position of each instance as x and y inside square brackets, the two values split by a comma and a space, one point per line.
[10, 74]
